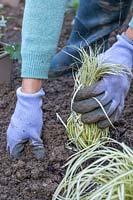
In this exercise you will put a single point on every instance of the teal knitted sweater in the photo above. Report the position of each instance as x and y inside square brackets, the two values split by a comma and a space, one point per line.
[41, 28]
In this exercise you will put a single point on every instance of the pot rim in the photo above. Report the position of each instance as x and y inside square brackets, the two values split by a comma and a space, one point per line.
[4, 54]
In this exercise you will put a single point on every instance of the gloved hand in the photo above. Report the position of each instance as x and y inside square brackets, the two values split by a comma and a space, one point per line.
[26, 124]
[110, 91]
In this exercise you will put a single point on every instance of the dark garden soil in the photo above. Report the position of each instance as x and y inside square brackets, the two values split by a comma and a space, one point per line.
[28, 178]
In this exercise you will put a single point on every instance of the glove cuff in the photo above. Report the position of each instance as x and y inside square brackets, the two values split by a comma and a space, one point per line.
[126, 38]
[125, 42]
[40, 93]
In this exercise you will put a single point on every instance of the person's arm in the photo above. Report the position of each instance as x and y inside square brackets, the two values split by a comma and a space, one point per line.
[40, 33]
[41, 28]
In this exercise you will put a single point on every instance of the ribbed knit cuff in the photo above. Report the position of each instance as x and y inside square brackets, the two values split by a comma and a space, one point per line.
[131, 23]
[35, 66]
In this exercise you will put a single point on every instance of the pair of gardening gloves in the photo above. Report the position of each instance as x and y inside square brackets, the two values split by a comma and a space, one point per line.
[26, 122]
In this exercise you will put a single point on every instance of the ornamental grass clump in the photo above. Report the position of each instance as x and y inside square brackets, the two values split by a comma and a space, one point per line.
[98, 172]
[92, 70]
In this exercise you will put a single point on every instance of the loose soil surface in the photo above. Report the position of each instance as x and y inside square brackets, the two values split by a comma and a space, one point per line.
[27, 178]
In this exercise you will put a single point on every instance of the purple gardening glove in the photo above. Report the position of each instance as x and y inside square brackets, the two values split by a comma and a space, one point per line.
[110, 91]
[26, 124]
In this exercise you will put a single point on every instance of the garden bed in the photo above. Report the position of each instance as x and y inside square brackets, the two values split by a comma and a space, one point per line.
[27, 178]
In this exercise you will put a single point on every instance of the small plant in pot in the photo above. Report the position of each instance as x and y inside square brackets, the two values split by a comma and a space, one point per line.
[7, 53]
[5, 61]
[5, 64]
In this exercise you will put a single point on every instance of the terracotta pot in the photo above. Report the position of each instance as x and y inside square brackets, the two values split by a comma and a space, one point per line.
[5, 67]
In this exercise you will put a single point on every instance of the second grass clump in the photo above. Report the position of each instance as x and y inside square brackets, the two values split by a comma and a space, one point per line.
[98, 172]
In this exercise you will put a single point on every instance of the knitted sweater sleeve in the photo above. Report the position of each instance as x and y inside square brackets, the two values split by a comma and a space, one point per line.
[41, 28]
[131, 23]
